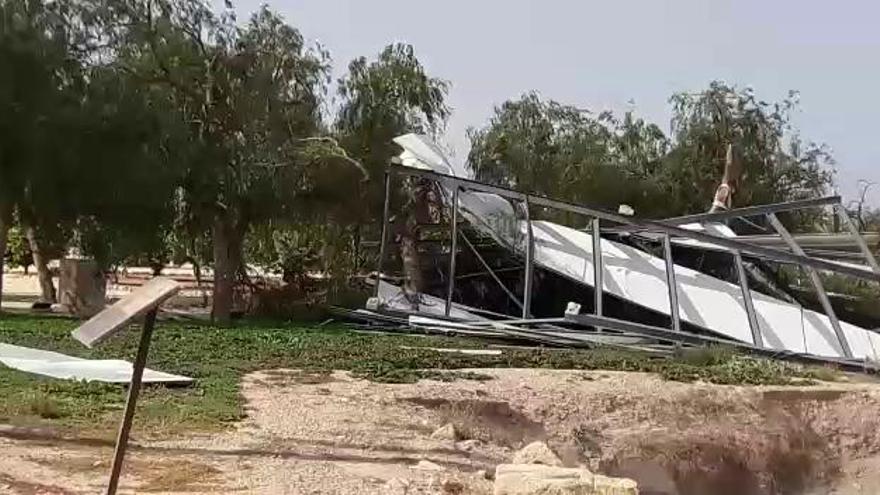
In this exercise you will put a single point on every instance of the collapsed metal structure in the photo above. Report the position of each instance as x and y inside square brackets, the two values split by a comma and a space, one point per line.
[477, 202]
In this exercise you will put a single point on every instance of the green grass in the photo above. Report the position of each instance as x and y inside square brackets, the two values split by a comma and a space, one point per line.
[218, 357]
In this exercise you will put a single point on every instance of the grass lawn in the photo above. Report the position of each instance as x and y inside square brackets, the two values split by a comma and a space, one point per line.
[218, 357]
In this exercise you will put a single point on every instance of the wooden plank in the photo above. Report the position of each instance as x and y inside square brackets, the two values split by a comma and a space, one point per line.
[116, 317]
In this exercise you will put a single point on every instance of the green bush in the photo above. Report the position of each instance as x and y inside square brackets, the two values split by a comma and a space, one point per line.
[18, 252]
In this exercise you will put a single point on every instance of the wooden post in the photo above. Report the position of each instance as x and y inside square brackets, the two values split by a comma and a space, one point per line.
[134, 389]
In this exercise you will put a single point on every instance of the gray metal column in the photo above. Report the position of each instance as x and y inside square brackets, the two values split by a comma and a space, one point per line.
[866, 250]
[134, 388]
[491, 272]
[817, 284]
[671, 284]
[454, 248]
[530, 253]
[384, 240]
[598, 282]
[757, 339]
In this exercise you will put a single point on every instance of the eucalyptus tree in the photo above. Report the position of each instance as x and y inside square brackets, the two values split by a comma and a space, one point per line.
[250, 97]
[545, 147]
[777, 165]
[382, 99]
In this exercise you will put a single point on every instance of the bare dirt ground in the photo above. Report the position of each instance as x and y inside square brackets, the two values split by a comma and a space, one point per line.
[317, 434]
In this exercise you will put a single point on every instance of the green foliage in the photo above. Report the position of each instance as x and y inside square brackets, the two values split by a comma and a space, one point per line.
[738, 370]
[562, 151]
[147, 131]
[218, 357]
[18, 252]
[380, 100]
[294, 251]
[777, 164]
[552, 149]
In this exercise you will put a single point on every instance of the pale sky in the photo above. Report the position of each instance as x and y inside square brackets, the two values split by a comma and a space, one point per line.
[606, 54]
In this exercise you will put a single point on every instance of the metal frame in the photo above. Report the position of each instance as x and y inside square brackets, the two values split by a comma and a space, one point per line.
[598, 267]
[750, 211]
[383, 243]
[490, 271]
[660, 226]
[667, 228]
[757, 338]
[452, 251]
[697, 339]
[854, 232]
[817, 284]
[671, 284]
[530, 254]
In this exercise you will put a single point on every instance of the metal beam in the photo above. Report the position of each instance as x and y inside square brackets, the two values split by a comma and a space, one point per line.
[491, 272]
[757, 339]
[530, 254]
[817, 284]
[731, 244]
[450, 287]
[751, 211]
[487, 272]
[598, 282]
[671, 284]
[384, 241]
[701, 340]
[860, 241]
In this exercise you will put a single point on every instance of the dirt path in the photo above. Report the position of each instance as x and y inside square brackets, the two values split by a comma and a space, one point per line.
[337, 435]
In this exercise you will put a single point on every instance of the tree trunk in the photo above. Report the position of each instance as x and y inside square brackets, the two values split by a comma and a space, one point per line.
[47, 287]
[5, 223]
[423, 208]
[224, 272]
[413, 283]
[197, 273]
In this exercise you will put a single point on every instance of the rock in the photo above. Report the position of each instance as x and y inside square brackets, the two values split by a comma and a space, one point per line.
[82, 288]
[536, 453]
[428, 466]
[451, 487]
[467, 445]
[396, 486]
[445, 432]
[535, 479]
[488, 474]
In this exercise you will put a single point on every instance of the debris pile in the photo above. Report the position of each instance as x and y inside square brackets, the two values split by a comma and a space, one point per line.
[662, 284]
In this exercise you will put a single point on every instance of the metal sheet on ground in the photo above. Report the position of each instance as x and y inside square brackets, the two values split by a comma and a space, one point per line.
[57, 365]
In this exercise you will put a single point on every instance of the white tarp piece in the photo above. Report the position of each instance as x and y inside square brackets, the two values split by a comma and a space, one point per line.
[640, 277]
[57, 365]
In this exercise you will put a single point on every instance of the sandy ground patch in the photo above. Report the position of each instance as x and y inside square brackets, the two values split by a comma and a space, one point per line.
[311, 434]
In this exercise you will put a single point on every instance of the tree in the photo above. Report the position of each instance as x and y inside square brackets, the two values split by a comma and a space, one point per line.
[250, 96]
[777, 164]
[39, 98]
[548, 148]
[390, 96]
[381, 100]
[562, 151]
